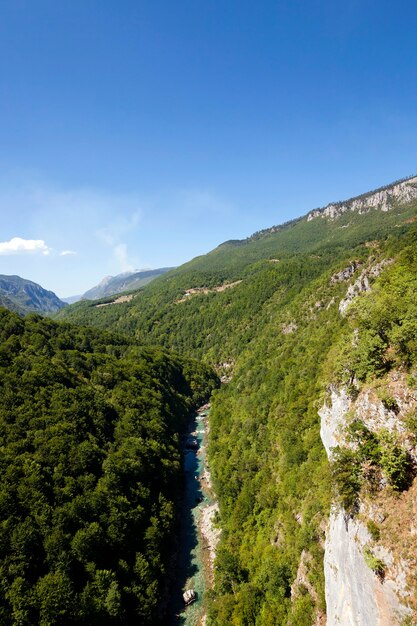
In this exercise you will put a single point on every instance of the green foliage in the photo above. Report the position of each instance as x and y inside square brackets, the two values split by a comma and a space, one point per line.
[366, 443]
[221, 325]
[388, 401]
[373, 530]
[411, 423]
[268, 465]
[90, 472]
[302, 611]
[371, 455]
[346, 475]
[385, 324]
[395, 461]
[375, 564]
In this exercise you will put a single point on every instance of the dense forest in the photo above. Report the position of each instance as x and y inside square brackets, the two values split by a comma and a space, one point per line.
[278, 335]
[92, 408]
[90, 472]
[216, 326]
[270, 470]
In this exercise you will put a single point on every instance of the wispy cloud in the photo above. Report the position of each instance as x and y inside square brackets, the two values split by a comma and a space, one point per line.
[67, 253]
[17, 245]
[114, 235]
[120, 252]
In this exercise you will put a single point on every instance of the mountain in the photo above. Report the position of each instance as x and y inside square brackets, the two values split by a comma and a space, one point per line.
[71, 299]
[272, 252]
[128, 281]
[24, 296]
[312, 327]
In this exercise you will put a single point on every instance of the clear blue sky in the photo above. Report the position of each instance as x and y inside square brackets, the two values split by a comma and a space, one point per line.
[142, 133]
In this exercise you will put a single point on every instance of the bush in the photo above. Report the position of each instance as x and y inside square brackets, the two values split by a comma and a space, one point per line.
[373, 530]
[395, 461]
[388, 401]
[375, 564]
[346, 474]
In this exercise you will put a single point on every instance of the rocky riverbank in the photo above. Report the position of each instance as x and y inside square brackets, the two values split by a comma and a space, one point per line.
[199, 534]
[210, 532]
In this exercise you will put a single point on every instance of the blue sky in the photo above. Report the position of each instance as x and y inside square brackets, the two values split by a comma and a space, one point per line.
[142, 133]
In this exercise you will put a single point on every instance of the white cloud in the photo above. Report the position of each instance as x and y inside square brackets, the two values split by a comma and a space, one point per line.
[67, 253]
[17, 245]
[120, 252]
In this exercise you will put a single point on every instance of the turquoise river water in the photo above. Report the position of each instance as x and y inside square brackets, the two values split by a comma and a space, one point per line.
[192, 562]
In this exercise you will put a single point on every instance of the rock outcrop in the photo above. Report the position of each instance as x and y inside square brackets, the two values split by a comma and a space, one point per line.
[333, 418]
[346, 273]
[362, 283]
[288, 328]
[357, 595]
[383, 199]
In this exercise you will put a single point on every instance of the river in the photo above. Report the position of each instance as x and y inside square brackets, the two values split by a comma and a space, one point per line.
[198, 537]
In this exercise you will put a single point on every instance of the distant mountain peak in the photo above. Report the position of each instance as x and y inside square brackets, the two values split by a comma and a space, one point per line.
[126, 281]
[24, 296]
[105, 281]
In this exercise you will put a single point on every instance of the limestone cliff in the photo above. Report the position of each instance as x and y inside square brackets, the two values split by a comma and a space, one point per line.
[362, 283]
[383, 199]
[358, 593]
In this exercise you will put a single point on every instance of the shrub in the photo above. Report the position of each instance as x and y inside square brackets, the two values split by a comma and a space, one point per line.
[388, 401]
[346, 474]
[373, 530]
[395, 461]
[375, 564]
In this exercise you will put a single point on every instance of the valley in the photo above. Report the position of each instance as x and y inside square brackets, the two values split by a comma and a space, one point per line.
[295, 318]
[198, 537]
[208, 313]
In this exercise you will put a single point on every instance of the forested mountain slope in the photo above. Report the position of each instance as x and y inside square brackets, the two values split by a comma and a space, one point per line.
[90, 472]
[189, 309]
[274, 314]
[24, 296]
[267, 458]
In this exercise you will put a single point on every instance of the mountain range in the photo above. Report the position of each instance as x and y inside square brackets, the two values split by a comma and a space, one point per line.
[24, 296]
[311, 326]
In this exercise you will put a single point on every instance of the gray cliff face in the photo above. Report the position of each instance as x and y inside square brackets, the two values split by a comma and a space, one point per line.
[384, 200]
[355, 595]
[333, 418]
[362, 283]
